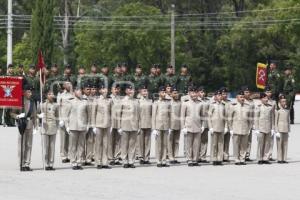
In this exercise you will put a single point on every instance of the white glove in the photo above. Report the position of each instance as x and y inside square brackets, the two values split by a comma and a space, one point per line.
[184, 131]
[273, 132]
[95, 130]
[225, 130]
[120, 131]
[257, 132]
[110, 130]
[42, 115]
[155, 132]
[68, 130]
[170, 131]
[139, 131]
[231, 133]
[211, 131]
[35, 131]
[202, 129]
[61, 123]
[22, 115]
[278, 135]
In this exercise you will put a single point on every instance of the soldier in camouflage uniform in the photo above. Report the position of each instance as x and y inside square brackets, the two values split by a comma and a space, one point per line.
[274, 80]
[53, 82]
[69, 76]
[153, 81]
[170, 76]
[33, 80]
[105, 79]
[184, 80]
[289, 90]
[139, 79]
[117, 76]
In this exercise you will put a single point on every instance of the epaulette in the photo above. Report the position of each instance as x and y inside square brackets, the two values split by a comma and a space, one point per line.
[71, 98]
[234, 104]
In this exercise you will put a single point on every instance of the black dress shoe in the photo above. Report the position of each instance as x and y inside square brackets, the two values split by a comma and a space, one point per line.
[214, 163]
[172, 162]
[204, 161]
[87, 164]
[243, 163]
[196, 164]
[74, 168]
[93, 160]
[165, 165]
[159, 165]
[191, 164]
[176, 162]
[131, 166]
[285, 162]
[118, 163]
[52, 169]
[112, 163]
[64, 160]
[106, 167]
[142, 162]
[23, 169]
[126, 166]
[248, 160]
[79, 168]
[226, 161]
[47, 168]
[219, 163]
[280, 162]
[266, 162]
[260, 162]
[99, 166]
[28, 169]
[147, 162]
[271, 159]
[237, 163]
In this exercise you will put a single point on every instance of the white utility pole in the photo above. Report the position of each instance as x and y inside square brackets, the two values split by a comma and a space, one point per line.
[9, 32]
[173, 36]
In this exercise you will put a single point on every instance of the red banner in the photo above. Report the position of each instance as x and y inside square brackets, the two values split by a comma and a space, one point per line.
[261, 75]
[11, 92]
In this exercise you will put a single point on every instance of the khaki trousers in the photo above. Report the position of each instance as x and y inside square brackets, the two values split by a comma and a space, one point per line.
[282, 146]
[27, 147]
[101, 144]
[217, 145]
[161, 146]
[144, 140]
[128, 146]
[114, 145]
[49, 149]
[89, 145]
[193, 146]
[173, 144]
[64, 143]
[240, 143]
[263, 146]
[204, 144]
[249, 144]
[227, 137]
[77, 140]
[272, 138]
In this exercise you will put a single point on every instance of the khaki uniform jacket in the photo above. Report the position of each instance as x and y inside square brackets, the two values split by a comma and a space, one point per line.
[175, 115]
[282, 120]
[240, 121]
[50, 121]
[101, 112]
[191, 116]
[63, 100]
[31, 121]
[130, 114]
[145, 112]
[116, 112]
[250, 102]
[227, 111]
[78, 114]
[205, 103]
[264, 118]
[161, 114]
[216, 117]
[90, 100]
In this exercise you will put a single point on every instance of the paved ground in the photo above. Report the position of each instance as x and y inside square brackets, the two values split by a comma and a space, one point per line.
[179, 182]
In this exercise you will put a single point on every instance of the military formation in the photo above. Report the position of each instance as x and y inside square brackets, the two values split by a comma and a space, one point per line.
[108, 119]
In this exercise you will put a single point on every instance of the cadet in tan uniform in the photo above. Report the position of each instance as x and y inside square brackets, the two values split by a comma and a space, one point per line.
[216, 124]
[101, 120]
[78, 127]
[272, 102]
[282, 127]
[64, 108]
[192, 125]
[174, 132]
[248, 100]
[264, 128]
[240, 123]
[227, 135]
[90, 137]
[49, 113]
[114, 138]
[28, 112]
[204, 135]
[144, 138]
[161, 114]
[130, 117]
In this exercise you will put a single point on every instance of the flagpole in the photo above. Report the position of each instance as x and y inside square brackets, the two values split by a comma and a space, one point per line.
[42, 126]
